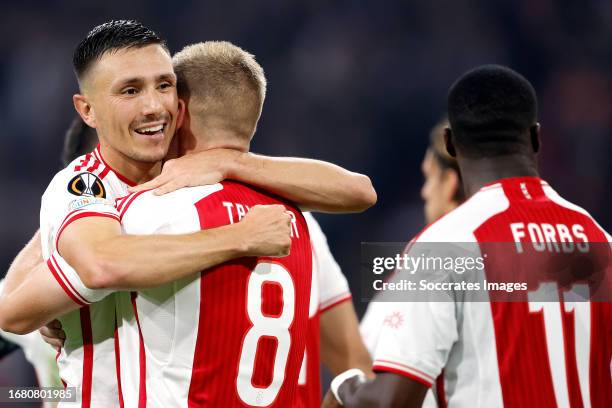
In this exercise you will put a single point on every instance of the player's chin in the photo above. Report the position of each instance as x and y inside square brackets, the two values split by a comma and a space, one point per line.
[151, 153]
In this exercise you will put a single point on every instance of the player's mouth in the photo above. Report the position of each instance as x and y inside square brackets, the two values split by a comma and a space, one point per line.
[152, 131]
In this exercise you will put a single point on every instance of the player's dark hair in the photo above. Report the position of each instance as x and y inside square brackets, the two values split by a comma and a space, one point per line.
[79, 140]
[112, 36]
[490, 110]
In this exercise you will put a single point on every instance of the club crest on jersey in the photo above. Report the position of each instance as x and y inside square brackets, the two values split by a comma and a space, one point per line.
[86, 184]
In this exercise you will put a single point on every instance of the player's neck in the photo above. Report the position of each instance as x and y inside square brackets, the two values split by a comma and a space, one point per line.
[480, 172]
[137, 172]
[214, 141]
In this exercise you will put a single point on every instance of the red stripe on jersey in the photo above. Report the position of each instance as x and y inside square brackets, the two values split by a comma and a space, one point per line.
[96, 153]
[440, 391]
[402, 372]
[119, 175]
[126, 203]
[142, 393]
[63, 275]
[414, 370]
[218, 379]
[103, 173]
[335, 301]
[310, 390]
[118, 363]
[94, 166]
[87, 357]
[522, 341]
[63, 285]
[79, 216]
[83, 162]
[120, 202]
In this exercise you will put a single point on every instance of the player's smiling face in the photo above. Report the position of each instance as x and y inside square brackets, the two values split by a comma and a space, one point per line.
[134, 102]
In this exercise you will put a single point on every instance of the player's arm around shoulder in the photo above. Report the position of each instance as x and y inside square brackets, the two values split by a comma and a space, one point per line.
[108, 259]
[311, 184]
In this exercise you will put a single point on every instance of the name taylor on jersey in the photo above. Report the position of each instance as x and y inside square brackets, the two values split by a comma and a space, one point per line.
[237, 211]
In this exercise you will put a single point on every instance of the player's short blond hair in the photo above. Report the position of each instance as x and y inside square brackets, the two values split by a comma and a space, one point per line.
[223, 83]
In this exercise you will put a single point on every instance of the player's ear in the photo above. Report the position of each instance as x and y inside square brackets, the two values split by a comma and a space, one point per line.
[181, 113]
[534, 135]
[84, 109]
[448, 141]
[451, 185]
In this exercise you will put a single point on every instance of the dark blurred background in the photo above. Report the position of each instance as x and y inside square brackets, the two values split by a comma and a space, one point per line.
[358, 83]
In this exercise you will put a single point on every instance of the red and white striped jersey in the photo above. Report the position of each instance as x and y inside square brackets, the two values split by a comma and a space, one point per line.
[329, 288]
[515, 354]
[87, 187]
[231, 336]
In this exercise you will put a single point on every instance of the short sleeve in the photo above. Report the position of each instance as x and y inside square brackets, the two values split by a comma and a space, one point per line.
[415, 338]
[72, 284]
[333, 286]
[72, 195]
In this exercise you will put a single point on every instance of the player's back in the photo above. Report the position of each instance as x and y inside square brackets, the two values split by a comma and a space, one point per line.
[233, 335]
[516, 349]
[552, 348]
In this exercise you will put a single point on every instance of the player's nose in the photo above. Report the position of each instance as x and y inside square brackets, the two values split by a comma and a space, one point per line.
[152, 104]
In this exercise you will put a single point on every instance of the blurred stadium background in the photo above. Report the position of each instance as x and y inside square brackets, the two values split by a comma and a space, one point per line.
[358, 83]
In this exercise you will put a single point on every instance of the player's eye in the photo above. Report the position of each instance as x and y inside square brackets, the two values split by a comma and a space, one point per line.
[166, 85]
[129, 91]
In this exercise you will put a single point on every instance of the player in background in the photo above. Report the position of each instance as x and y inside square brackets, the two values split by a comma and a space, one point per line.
[522, 353]
[441, 192]
[135, 136]
[79, 140]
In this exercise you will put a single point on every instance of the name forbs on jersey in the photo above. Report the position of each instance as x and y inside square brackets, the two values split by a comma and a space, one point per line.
[237, 211]
[548, 237]
[86, 184]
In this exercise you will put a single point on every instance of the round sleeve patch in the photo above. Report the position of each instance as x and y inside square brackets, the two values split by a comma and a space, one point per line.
[86, 184]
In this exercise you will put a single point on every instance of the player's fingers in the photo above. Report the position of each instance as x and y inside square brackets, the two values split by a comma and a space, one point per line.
[167, 188]
[53, 341]
[54, 324]
[151, 184]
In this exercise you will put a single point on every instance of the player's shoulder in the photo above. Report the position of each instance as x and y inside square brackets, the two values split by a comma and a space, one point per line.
[82, 179]
[145, 206]
[553, 196]
[459, 225]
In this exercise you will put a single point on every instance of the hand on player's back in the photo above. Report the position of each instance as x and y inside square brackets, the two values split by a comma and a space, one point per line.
[197, 169]
[53, 334]
[267, 231]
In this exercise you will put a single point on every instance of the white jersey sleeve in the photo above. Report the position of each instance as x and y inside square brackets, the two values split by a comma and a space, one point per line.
[72, 194]
[415, 339]
[332, 284]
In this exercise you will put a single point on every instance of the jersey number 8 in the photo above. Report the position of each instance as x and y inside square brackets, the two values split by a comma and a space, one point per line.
[276, 327]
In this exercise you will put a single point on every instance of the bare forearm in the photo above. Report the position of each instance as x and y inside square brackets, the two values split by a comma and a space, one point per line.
[312, 184]
[137, 262]
[38, 300]
[27, 259]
